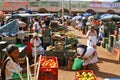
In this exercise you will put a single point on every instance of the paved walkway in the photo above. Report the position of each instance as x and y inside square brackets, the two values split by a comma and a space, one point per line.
[107, 67]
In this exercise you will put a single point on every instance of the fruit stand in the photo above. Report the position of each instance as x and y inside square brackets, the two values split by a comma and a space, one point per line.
[49, 68]
[85, 75]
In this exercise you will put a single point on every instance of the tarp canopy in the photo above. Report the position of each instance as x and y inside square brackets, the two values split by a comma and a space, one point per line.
[10, 29]
[113, 17]
[76, 18]
[21, 15]
[28, 11]
[86, 14]
[104, 15]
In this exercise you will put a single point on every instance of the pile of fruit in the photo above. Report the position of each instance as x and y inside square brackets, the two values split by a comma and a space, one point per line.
[71, 40]
[85, 76]
[69, 35]
[48, 62]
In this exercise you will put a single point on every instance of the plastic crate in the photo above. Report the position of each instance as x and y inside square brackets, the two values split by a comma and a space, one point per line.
[60, 57]
[68, 55]
[86, 71]
[48, 73]
[49, 53]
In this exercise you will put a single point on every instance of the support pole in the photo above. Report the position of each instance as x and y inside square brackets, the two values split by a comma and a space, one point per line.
[62, 10]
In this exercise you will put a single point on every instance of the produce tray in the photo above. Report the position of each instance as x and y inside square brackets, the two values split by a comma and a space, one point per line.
[82, 73]
[49, 73]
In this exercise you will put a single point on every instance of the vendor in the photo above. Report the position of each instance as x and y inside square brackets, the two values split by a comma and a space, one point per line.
[87, 53]
[10, 64]
[38, 44]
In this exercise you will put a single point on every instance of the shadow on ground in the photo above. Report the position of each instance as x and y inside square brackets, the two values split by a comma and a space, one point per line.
[103, 75]
[108, 60]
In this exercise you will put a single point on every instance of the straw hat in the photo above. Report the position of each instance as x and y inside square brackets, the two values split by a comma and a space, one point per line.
[35, 34]
[50, 48]
[90, 17]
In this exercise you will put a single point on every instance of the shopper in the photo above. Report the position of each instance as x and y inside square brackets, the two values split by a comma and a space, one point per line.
[91, 37]
[36, 26]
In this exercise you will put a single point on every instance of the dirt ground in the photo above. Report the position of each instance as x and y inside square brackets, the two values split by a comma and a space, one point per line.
[106, 67]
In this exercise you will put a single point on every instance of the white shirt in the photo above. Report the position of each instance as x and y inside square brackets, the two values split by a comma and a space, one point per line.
[39, 48]
[88, 52]
[11, 68]
[36, 26]
[20, 34]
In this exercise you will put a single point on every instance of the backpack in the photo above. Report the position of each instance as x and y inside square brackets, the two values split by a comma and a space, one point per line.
[3, 69]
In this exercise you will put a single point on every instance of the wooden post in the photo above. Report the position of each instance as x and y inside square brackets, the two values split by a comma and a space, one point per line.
[62, 10]
[70, 7]
[35, 54]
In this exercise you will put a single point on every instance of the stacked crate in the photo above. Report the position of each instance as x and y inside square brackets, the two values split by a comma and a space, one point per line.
[49, 73]
[69, 54]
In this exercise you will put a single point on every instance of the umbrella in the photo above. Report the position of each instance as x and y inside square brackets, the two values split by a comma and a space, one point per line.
[86, 14]
[76, 18]
[104, 15]
[111, 17]
[90, 17]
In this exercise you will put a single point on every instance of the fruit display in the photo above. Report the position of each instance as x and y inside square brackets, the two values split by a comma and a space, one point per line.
[71, 40]
[85, 75]
[48, 68]
[48, 62]
[69, 35]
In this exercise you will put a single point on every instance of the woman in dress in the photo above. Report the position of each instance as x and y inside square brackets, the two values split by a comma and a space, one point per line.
[36, 26]
[91, 37]
[38, 43]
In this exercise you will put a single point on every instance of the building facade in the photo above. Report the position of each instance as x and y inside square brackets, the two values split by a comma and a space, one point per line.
[56, 5]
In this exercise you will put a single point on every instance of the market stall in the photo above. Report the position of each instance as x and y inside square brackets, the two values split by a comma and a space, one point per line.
[111, 39]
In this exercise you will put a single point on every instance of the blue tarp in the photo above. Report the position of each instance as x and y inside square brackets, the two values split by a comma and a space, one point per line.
[86, 14]
[10, 29]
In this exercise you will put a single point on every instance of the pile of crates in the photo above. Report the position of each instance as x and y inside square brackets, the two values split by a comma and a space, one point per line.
[49, 73]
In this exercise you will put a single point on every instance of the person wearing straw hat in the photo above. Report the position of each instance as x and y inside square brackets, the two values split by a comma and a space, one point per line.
[10, 64]
[37, 44]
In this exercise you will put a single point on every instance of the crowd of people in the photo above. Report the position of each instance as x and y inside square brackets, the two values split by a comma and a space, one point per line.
[92, 29]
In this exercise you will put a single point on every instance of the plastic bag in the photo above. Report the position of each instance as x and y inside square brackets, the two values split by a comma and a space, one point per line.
[16, 76]
[77, 64]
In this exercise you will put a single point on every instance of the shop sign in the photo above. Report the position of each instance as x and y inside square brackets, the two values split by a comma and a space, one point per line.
[95, 4]
[116, 5]
[104, 5]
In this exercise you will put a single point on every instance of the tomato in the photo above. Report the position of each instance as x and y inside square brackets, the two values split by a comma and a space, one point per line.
[48, 62]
